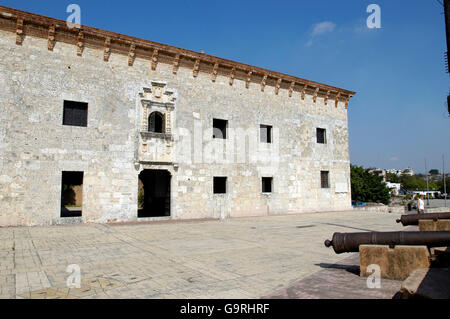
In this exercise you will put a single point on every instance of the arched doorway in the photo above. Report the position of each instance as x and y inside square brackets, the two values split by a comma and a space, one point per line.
[154, 193]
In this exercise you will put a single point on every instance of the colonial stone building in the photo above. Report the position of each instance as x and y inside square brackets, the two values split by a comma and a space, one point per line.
[101, 127]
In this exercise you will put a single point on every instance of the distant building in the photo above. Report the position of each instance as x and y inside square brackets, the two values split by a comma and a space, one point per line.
[408, 171]
[397, 172]
[435, 178]
[379, 172]
[395, 188]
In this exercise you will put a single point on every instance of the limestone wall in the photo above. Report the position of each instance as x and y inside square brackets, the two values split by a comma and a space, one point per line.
[35, 147]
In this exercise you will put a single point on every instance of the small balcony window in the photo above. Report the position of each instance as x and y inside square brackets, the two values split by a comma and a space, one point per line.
[156, 123]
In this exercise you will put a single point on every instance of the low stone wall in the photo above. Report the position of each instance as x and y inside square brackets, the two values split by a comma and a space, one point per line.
[397, 209]
[382, 209]
[437, 210]
[400, 209]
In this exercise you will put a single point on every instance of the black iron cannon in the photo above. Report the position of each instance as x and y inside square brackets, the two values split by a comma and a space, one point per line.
[350, 242]
[408, 220]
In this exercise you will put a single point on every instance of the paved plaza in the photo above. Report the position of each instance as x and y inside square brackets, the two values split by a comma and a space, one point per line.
[433, 203]
[235, 258]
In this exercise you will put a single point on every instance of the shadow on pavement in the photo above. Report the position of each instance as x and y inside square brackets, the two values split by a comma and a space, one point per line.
[350, 268]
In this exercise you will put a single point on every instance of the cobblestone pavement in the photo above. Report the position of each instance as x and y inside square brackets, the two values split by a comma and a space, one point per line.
[236, 258]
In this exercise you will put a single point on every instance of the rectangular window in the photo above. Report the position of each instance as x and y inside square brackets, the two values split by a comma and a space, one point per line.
[75, 113]
[267, 184]
[71, 194]
[220, 128]
[321, 136]
[265, 133]
[220, 185]
[324, 179]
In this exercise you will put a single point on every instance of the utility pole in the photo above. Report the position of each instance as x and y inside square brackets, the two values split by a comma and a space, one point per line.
[428, 194]
[447, 27]
[443, 176]
[447, 33]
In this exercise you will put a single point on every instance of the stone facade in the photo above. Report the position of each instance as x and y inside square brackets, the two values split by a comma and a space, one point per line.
[121, 91]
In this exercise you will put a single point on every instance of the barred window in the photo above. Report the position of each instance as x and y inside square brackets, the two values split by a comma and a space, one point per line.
[267, 184]
[75, 113]
[324, 179]
[265, 133]
[321, 136]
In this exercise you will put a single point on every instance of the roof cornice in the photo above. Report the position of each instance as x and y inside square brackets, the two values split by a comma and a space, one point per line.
[129, 45]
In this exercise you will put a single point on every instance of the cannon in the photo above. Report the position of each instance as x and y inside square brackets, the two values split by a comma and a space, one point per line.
[408, 220]
[350, 242]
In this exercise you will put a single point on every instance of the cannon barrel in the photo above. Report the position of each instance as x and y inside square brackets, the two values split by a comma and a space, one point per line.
[350, 242]
[408, 220]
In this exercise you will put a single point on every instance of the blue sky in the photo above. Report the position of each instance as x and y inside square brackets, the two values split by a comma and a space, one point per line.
[398, 116]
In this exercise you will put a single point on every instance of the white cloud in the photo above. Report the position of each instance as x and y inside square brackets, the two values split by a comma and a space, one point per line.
[394, 158]
[320, 29]
[323, 27]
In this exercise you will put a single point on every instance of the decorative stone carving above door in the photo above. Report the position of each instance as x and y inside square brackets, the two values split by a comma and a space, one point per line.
[157, 120]
[158, 98]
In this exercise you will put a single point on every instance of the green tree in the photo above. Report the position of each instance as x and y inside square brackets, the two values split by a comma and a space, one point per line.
[367, 187]
[440, 185]
[393, 178]
[413, 183]
[432, 186]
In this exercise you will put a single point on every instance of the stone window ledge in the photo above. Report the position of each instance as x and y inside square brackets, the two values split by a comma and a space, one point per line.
[149, 135]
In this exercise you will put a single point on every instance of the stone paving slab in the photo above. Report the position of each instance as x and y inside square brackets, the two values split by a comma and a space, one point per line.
[235, 258]
[338, 281]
